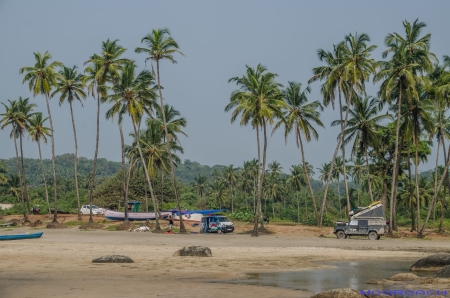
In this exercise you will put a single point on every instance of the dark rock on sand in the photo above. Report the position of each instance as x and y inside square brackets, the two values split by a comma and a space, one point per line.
[443, 273]
[193, 251]
[404, 277]
[113, 259]
[432, 263]
[339, 293]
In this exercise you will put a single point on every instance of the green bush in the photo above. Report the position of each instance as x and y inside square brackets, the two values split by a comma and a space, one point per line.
[243, 215]
[310, 220]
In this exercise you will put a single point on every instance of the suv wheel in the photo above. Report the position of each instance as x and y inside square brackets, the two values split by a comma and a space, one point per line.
[341, 235]
[373, 235]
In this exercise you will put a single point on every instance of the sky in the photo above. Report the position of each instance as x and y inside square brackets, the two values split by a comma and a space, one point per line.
[218, 39]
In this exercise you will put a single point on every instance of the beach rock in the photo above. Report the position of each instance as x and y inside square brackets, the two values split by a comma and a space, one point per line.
[443, 273]
[37, 223]
[193, 251]
[113, 259]
[339, 293]
[432, 263]
[404, 277]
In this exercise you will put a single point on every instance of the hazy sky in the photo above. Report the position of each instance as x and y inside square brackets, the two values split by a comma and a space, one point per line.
[218, 38]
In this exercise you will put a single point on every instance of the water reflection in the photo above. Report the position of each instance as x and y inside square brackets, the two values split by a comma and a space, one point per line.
[345, 275]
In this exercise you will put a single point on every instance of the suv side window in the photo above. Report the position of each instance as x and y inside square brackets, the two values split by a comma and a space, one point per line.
[354, 223]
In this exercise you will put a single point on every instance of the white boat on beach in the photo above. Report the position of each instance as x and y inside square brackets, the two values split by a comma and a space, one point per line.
[194, 217]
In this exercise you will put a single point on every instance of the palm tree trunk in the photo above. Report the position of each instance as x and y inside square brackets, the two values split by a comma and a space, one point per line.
[258, 201]
[19, 173]
[444, 175]
[52, 136]
[262, 172]
[45, 180]
[147, 177]
[75, 161]
[343, 152]
[174, 178]
[411, 194]
[339, 195]
[94, 166]
[128, 179]
[396, 157]
[327, 184]
[368, 175]
[24, 179]
[436, 173]
[124, 183]
[441, 222]
[416, 170]
[305, 170]
[162, 188]
[298, 207]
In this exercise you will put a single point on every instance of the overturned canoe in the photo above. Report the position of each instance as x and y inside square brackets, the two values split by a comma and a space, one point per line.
[21, 236]
[116, 215]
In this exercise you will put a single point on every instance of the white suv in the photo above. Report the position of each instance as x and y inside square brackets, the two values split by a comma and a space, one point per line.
[95, 210]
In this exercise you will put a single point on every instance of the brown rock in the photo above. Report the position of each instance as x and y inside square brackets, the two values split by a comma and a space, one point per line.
[193, 251]
[432, 263]
[404, 277]
[113, 259]
[338, 293]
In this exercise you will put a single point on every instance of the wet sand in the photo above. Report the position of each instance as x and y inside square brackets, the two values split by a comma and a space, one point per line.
[60, 263]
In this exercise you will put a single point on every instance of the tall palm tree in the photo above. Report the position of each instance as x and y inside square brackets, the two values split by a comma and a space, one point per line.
[259, 101]
[37, 131]
[160, 45]
[102, 69]
[273, 188]
[230, 175]
[410, 58]
[41, 78]
[348, 68]
[218, 191]
[15, 118]
[26, 109]
[419, 119]
[13, 186]
[362, 127]
[70, 87]
[134, 96]
[301, 116]
[174, 127]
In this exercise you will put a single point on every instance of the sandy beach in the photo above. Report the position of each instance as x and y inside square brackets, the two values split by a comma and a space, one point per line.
[60, 263]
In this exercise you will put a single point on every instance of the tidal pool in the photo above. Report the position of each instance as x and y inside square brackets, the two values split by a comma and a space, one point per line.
[344, 275]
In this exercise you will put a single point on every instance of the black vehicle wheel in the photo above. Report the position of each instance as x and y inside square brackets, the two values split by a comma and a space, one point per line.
[341, 235]
[378, 237]
[373, 235]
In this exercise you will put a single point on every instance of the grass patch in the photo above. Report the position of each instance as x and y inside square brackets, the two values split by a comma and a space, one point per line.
[111, 228]
[74, 223]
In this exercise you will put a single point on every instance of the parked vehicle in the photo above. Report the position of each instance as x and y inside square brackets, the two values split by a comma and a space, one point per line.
[216, 224]
[86, 210]
[365, 221]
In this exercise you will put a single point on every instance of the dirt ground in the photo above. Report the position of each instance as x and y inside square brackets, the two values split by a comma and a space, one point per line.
[59, 264]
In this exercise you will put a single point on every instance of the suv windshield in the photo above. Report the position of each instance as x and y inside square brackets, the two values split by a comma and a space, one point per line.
[223, 219]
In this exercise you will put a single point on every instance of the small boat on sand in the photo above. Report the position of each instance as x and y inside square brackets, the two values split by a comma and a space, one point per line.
[116, 215]
[21, 236]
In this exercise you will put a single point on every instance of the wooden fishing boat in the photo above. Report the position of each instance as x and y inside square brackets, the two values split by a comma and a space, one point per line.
[116, 215]
[21, 236]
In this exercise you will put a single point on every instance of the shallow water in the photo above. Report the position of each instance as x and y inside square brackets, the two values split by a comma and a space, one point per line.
[345, 275]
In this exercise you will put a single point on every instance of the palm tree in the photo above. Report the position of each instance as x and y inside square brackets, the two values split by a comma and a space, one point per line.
[174, 126]
[259, 101]
[358, 172]
[133, 95]
[400, 75]
[348, 68]
[273, 188]
[230, 175]
[362, 127]
[14, 117]
[418, 119]
[296, 180]
[160, 45]
[27, 111]
[37, 130]
[200, 183]
[13, 186]
[70, 87]
[42, 77]
[102, 69]
[300, 117]
[219, 192]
